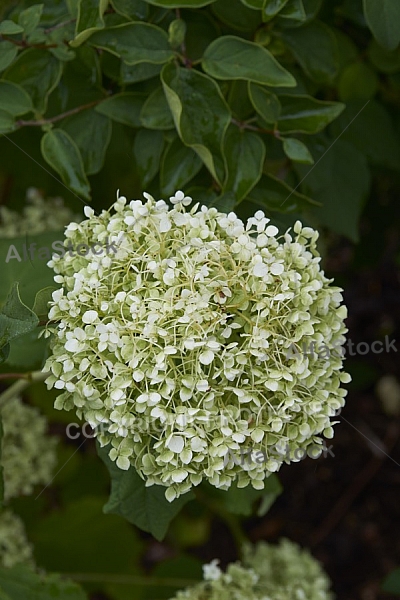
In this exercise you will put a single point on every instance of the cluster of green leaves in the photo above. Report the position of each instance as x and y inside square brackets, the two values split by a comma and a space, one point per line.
[231, 100]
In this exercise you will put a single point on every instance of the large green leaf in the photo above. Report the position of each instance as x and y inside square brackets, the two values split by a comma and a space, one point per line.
[273, 194]
[180, 164]
[135, 43]
[231, 57]
[14, 98]
[89, 19]
[244, 154]
[15, 317]
[383, 18]
[145, 507]
[315, 48]
[147, 150]
[341, 183]
[140, 72]
[7, 122]
[30, 17]
[21, 583]
[200, 113]
[132, 9]
[91, 132]
[156, 113]
[124, 108]
[62, 154]
[38, 72]
[265, 103]
[8, 52]
[304, 114]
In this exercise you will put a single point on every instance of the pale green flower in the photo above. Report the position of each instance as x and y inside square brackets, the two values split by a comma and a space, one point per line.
[28, 454]
[176, 342]
[38, 215]
[14, 546]
[268, 572]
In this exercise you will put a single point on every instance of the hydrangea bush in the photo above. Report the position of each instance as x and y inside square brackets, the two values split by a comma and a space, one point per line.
[268, 572]
[14, 546]
[175, 347]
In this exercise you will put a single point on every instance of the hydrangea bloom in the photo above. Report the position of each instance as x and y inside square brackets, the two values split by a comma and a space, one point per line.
[28, 455]
[176, 346]
[14, 547]
[38, 215]
[268, 572]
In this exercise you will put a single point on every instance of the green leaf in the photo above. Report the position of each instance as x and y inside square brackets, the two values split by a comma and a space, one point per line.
[62, 154]
[91, 132]
[8, 52]
[382, 59]
[315, 48]
[15, 318]
[180, 3]
[8, 27]
[89, 20]
[201, 30]
[294, 10]
[245, 155]
[357, 81]
[21, 583]
[156, 113]
[272, 8]
[145, 507]
[140, 72]
[4, 354]
[272, 490]
[7, 122]
[30, 17]
[135, 43]
[38, 72]
[42, 299]
[274, 194]
[231, 57]
[256, 4]
[14, 98]
[265, 103]
[341, 183]
[147, 150]
[236, 15]
[383, 18]
[391, 584]
[200, 113]
[304, 114]
[180, 164]
[176, 32]
[131, 9]
[124, 108]
[297, 151]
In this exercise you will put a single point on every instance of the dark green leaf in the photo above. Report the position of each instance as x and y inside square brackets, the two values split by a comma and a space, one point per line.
[15, 318]
[231, 57]
[341, 183]
[315, 47]
[7, 122]
[201, 30]
[358, 81]
[382, 59]
[272, 8]
[236, 15]
[244, 154]
[294, 10]
[297, 151]
[21, 583]
[4, 353]
[383, 18]
[156, 113]
[176, 32]
[30, 17]
[91, 132]
[42, 299]
[145, 507]
[62, 154]
[256, 4]
[38, 72]
[140, 72]
[180, 164]
[8, 52]
[200, 113]
[265, 103]
[124, 108]
[180, 3]
[135, 43]
[391, 584]
[303, 114]
[8, 27]
[14, 98]
[147, 150]
[273, 194]
[132, 9]
[90, 19]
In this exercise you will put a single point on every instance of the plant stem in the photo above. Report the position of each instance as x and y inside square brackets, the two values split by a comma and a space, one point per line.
[26, 379]
[246, 125]
[24, 44]
[68, 113]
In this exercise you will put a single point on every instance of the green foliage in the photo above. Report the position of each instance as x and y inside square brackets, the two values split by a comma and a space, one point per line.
[21, 583]
[391, 585]
[15, 318]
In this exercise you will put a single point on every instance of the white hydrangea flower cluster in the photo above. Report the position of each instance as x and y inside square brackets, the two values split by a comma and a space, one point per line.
[175, 347]
[268, 572]
[28, 455]
[14, 547]
[38, 215]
